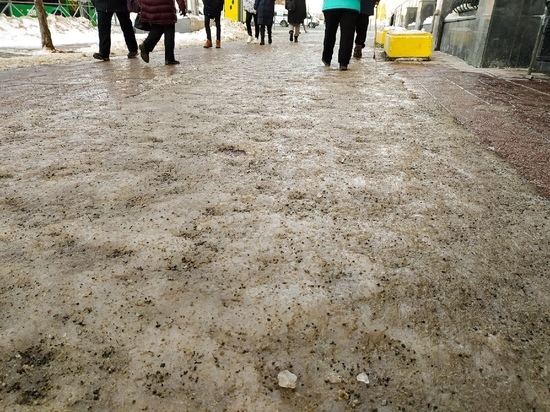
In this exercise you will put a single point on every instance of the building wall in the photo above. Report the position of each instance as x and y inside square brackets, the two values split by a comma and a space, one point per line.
[501, 33]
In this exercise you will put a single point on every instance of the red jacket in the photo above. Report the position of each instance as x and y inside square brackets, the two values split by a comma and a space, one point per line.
[161, 11]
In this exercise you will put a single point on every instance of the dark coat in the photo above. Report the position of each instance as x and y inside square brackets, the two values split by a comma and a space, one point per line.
[367, 7]
[110, 5]
[298, 14]
[265, 10]
[213, 8]
[161, 11]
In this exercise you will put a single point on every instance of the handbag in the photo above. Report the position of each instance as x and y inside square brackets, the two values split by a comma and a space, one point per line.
[289, 5]
[132, 6]
[141, 25]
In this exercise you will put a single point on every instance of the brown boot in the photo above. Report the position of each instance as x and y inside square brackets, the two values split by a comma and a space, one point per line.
[218, 44]
[208, 44]
[357, 52]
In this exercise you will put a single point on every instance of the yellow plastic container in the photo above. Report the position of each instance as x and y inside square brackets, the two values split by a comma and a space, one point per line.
[381, 37]
[408, 45]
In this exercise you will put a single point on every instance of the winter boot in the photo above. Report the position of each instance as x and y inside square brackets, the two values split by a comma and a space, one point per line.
[144, 53]
[295, 39]
[218, 44]
[249, 39]
[208, 44]
[291, 33]
[357, 52]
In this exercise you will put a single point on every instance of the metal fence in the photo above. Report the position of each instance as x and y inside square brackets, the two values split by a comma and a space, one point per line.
[405, 13]
[67, 8]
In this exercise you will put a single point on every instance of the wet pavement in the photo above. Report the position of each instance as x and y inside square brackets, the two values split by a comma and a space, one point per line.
[508, 110]
[174, 237]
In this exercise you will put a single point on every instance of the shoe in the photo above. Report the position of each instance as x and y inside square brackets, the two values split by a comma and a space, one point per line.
[100, 56]
[143, 53]
[291, 33]
[295, 39]
[255, 40]
[343, 67]
[262, 43]
[170, 62]
[208, 44]
[327, 64]
[132, 55]
[357, 51]
[270, 41]
[249, 40]
[218, 44]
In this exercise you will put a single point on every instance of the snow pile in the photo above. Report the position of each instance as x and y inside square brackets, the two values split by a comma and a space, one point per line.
[21, 45]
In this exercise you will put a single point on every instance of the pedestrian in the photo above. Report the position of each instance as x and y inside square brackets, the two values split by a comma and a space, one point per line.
[213, 10]
[249, 9]
[343, 14]
[367, 10]
[161, 14]
[296, 15]
[105, 10]
[265, 10]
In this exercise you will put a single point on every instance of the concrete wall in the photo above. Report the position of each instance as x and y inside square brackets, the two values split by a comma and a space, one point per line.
[501, 33]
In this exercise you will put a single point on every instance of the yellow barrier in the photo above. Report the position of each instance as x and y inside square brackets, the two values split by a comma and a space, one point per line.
[408, 45]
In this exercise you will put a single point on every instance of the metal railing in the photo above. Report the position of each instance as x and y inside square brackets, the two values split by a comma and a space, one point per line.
[405, 13]
[67, 8]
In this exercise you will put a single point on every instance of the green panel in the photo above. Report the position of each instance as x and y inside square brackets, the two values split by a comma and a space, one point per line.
[20, 10]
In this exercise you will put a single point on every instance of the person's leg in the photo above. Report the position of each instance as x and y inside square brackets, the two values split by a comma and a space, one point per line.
[104, 32]
[291, 32]
[361, 29]
[153, 37]
[296, 32]
[348, 19]
[332, 19]
[207, 28]
[128, 31]
[218, 21]
[169, 42]
[256, 27]
[151, 41]
[269, 31]
[360, 34]
[262, 34]
[248, 22]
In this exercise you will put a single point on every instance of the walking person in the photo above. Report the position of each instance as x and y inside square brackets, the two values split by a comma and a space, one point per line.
[161, 14]
[105, 10]
[367, 10]
[213, 10]
[296, 16]
[343, 14]
[265, 10]
[249, 9]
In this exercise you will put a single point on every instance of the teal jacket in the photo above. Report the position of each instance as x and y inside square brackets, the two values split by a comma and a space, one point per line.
[342, 4]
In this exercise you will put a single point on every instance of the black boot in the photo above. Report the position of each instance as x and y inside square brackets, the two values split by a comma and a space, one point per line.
[291, 32]
[295, 39]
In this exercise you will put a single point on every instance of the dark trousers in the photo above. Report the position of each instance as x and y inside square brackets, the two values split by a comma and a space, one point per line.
[217, 19]
[345, 19]
[104, 30]
[249, 17]
[361, 29]
[262, 32]
[157, 30]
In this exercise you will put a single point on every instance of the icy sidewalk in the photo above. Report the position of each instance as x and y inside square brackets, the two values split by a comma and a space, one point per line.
[175, 237]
